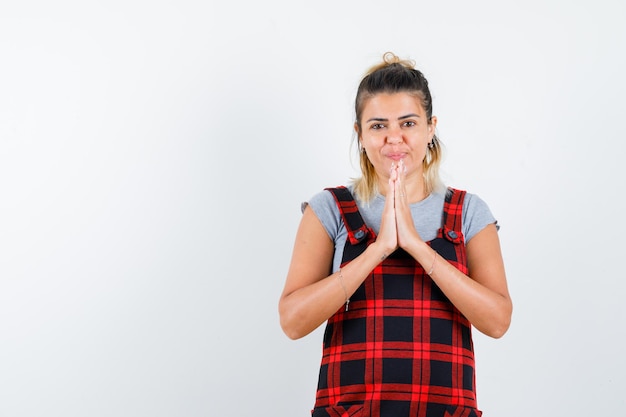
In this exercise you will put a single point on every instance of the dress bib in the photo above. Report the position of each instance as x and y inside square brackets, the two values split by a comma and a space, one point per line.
[402, 349]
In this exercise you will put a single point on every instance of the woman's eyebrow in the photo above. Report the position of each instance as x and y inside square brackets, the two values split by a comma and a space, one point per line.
[381, 119]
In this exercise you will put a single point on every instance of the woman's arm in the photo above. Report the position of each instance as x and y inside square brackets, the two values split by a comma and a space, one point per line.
[483, 296]
[311, 295]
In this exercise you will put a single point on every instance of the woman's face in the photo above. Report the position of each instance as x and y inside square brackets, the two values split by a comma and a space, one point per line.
[395, 127]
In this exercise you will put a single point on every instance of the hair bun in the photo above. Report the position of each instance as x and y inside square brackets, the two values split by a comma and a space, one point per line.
[389, 58]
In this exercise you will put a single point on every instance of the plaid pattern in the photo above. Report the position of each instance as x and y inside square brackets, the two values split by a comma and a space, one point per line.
[402, 349]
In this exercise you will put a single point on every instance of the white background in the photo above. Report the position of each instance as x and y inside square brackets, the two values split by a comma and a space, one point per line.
[154, 155]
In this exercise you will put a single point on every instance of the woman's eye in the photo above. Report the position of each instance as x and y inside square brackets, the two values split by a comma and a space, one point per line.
[377, 126]
[409, 123]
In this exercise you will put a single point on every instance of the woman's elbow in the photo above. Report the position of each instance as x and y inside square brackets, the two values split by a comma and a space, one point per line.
[499, 331]
[289, 329]
[289, 323]
[501, 324]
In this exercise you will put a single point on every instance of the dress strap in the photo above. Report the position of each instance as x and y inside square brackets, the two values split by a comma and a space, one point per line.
[356, 227]
[453, 215]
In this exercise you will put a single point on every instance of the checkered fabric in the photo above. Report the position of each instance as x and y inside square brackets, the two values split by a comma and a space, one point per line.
[402, 349]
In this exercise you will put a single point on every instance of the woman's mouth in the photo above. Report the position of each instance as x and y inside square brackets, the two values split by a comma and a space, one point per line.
[396, 156]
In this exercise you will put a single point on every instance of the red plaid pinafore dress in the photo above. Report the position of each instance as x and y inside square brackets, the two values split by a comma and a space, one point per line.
[402, 349]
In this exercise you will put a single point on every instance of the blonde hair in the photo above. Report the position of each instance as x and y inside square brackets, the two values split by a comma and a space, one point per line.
[395, 75]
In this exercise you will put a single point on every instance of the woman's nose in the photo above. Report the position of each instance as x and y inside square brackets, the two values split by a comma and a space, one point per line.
[394, 136]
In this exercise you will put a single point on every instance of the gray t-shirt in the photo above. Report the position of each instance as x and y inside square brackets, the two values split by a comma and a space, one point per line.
[427, 216]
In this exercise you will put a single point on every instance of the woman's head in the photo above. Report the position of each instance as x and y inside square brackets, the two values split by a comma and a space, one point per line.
[392, 76]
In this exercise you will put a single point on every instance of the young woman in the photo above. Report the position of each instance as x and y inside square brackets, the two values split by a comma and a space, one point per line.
[399, 267]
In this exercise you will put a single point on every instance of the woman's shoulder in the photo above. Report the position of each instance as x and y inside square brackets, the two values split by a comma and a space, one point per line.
[476, 215]
[325, 208]
[471, 200]
[473, 203]
[321, 199]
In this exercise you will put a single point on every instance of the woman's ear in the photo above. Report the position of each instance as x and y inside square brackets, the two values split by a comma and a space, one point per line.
[358, 135]
[432, 126]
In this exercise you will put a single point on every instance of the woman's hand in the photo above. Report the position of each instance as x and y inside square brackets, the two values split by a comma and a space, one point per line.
[388, 235]
[405, 228]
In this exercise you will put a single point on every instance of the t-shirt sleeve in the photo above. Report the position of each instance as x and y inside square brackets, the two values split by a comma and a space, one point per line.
[476, 216]
[325, 208]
